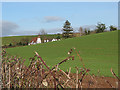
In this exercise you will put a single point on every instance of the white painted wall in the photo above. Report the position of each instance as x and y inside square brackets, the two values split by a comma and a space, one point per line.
[38, 40]
[47, 40]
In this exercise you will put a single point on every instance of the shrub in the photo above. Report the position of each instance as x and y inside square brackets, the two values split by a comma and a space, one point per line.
[19, 43]
[23, 44]
[58, 37]
[112, 28]
[100, 28]
[10, 44]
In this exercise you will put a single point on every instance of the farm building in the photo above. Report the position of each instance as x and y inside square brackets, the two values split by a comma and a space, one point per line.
[46, 40]
[51, 40]
[35, 40]
[54, 39]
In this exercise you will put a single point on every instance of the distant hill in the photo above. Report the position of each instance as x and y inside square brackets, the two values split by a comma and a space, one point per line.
[99, 51]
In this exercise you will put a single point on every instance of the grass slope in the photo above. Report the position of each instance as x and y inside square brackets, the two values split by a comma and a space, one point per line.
[99, 51]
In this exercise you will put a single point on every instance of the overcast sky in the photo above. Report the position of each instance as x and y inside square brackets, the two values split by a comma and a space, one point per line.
[28, 18]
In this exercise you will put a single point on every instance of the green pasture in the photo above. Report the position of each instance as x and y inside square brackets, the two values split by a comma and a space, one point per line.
[98, 51]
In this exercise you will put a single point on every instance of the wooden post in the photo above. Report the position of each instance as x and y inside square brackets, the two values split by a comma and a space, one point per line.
[77, 78]
[0, 74]
[3, 74]
[9, 75]
[69, 71]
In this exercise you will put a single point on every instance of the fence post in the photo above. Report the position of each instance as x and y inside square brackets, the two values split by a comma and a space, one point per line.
[9, 75]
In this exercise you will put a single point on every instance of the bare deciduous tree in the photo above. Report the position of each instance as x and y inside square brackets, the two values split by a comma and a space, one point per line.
[42, 32]
[80, 31]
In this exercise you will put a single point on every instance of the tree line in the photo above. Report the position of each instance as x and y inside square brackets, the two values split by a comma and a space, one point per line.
[68, 31]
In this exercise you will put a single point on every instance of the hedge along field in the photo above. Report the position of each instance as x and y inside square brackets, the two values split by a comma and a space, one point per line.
[98, 51]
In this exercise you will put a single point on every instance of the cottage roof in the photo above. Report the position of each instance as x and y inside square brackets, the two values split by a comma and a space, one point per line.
[34, 40]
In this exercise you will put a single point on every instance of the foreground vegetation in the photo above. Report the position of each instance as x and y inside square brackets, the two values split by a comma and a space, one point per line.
[38, 74]
[99, 52]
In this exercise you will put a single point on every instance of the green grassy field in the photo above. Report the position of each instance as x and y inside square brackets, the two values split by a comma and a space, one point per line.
[98, 51]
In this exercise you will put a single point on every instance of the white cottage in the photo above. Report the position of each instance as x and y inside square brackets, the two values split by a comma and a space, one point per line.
[47, 40]
[35, 40]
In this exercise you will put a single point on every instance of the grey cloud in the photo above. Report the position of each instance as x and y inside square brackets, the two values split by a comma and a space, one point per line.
[53, 18]
[8, 27]
[33, 32]
[23, 33]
